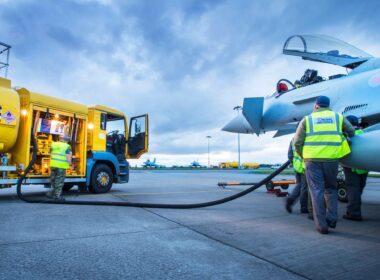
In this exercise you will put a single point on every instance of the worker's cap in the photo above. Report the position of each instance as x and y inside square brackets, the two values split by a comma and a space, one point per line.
[353, 120]
[322, 101]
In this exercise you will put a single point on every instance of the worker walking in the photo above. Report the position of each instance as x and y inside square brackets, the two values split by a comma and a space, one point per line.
[300, 190]
[60, 160]
[355, 180]
[319, 140]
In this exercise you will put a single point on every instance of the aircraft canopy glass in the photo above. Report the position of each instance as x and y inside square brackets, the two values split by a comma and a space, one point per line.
[325, 49]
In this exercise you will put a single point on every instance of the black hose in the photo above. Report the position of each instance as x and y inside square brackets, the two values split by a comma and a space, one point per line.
[139, 204]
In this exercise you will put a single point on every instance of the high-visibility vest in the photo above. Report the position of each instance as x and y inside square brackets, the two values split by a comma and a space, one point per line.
[58, 155]
[298, 162]
[356, 170]
[324, 137]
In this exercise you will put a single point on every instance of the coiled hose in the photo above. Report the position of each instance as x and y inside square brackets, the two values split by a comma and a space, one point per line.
[139, 204]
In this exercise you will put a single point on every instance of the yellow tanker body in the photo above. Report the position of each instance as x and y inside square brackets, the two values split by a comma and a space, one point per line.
[9, 115]
[99, 139]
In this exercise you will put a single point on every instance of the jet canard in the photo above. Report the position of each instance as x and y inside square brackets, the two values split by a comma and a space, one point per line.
[356, 93]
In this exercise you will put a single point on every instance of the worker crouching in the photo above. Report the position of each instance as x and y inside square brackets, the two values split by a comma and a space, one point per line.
[60, 160]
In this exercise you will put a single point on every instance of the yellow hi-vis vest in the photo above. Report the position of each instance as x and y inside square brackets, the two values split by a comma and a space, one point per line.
[356, 170]
[58, 155]
[324, 137]
[298, 162]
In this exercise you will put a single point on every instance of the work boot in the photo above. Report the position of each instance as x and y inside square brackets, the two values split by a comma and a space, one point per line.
[323, 230]
[331, 224]
[289, 204]
[59, 198]
[352, 218]
[49, 195]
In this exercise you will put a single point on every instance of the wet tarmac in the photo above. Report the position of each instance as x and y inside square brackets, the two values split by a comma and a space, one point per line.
[249, 238]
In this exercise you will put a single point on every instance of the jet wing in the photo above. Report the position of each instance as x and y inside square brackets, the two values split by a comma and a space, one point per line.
[283, 132]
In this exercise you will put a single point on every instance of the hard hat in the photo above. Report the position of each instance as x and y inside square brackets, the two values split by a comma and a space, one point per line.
[323, 101]
[353, 120]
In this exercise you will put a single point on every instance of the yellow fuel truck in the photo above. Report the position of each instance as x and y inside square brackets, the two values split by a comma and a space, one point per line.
[101, 140]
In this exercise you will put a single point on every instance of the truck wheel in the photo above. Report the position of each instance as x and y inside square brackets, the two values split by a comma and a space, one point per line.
[101, 178]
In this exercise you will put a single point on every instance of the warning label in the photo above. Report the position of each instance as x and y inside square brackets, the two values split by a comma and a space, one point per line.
[9, 117]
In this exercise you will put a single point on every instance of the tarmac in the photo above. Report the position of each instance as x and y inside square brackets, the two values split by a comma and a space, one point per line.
[252, 237]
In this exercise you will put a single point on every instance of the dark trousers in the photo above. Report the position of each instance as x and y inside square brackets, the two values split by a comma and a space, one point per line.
[355, 184]
[300, 191]
[321, 179]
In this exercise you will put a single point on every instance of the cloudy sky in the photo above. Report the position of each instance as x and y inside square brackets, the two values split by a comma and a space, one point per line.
[186, 63]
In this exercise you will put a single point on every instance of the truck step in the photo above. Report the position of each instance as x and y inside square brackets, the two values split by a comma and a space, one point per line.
[7, 168]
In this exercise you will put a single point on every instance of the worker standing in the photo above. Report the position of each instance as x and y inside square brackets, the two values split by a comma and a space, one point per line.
[355, 180]
[60, 160]
[300, 190]
[319, 140]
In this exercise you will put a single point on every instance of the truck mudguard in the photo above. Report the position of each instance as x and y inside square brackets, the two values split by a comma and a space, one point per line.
[100, 156]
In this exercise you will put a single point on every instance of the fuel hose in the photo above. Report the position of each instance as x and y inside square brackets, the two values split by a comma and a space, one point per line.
[139, 204]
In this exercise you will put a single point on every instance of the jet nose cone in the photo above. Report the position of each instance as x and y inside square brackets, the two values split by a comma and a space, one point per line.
[238, 125]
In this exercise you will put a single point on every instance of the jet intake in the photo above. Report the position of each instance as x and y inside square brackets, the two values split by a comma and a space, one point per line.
[365, 151]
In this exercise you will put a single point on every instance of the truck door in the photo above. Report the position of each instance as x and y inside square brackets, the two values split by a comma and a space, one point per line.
[138, 136]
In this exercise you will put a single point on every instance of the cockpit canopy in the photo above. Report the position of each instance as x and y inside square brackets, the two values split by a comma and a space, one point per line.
[325, 49]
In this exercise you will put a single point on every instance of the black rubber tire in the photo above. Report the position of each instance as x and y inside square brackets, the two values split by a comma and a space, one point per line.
[269, 186]
[101, 178]
[285, 186]
[342, 194]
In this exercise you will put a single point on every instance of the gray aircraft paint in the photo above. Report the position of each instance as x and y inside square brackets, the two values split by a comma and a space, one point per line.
[357, 93]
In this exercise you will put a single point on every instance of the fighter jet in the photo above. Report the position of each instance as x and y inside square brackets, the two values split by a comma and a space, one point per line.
[196, 164]
[152, 164]
[355, 93]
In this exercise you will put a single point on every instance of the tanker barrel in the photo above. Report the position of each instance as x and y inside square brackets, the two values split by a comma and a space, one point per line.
[365, 151]
[9, 115]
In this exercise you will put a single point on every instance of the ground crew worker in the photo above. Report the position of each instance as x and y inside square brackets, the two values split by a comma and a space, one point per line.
[300, 190]
[355, 180]
[60, 160]
[319, 140]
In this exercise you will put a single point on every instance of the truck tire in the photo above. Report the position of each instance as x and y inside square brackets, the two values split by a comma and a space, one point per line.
[101, 178]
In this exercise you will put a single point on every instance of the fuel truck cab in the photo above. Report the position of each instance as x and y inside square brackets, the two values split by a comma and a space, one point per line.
[101, 140]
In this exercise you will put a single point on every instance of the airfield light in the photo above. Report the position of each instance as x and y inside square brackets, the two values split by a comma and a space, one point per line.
[238, 109]
[208, 149]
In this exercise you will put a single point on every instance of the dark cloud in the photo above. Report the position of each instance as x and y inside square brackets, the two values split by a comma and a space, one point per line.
[187, 63]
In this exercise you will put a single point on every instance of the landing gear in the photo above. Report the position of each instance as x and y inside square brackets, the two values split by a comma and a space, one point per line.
[342, 192]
